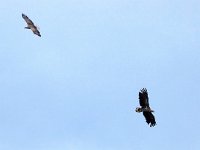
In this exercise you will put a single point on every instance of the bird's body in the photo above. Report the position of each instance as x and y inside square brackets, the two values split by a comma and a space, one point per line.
[30, 25]
[147, 111]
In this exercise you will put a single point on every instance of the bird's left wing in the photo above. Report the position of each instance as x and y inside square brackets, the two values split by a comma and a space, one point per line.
[143, 97]
[28, 21]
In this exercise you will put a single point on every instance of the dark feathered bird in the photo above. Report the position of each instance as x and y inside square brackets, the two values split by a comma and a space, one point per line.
[30, 25]
[147, 111]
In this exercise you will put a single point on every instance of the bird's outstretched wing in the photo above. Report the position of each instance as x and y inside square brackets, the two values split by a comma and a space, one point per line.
[36, 31]
[28, 21]
[150, 119]
[143, 98]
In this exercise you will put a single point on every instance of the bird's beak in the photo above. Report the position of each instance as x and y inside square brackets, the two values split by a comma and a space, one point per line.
[137, 110]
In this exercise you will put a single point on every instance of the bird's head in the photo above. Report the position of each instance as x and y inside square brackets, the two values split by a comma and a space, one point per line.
[138, 109]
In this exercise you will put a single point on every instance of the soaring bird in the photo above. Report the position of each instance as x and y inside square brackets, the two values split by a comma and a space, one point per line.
[30, 25]
[147, 111]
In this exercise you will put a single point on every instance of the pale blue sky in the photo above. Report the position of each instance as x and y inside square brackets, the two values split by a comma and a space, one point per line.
[76, 87]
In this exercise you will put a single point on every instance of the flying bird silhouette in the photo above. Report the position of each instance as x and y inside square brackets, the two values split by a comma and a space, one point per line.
[147, 111]
[30, 25]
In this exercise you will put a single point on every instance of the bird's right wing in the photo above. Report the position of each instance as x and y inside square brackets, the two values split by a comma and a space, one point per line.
[150, 119]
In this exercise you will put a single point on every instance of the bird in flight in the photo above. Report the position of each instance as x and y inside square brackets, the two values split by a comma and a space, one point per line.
[145, 108]
[30, 25]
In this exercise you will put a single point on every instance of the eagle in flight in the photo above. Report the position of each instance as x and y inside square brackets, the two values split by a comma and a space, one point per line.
[147, 111]
[30, 25]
